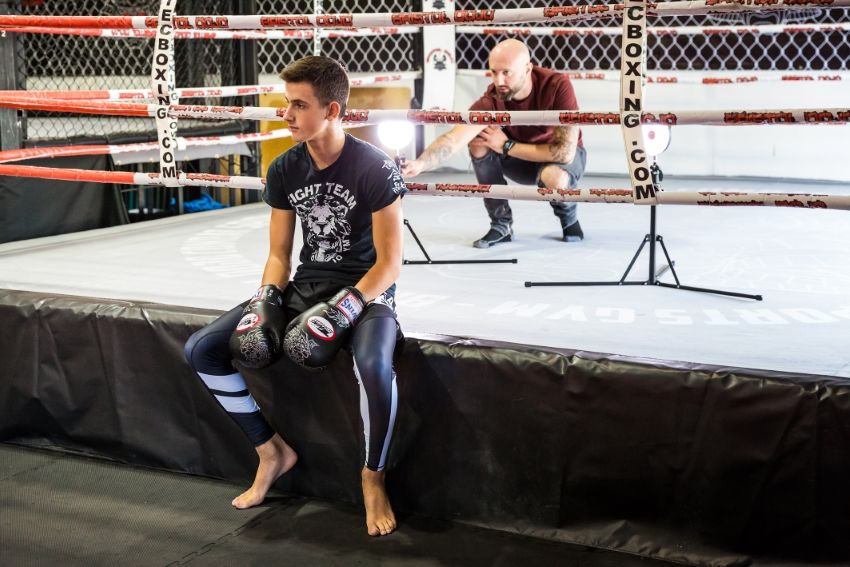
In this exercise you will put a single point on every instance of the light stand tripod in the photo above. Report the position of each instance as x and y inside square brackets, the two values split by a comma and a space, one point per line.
[428, 260]
[653, 274]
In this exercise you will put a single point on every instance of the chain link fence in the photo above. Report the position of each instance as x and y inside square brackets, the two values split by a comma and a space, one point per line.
[56, 62]
[274, 55]
[371, 54]
[809, 51]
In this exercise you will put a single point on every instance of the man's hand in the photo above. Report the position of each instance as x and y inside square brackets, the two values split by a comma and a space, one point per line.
[441, 149]
[492, 137]
[412, 168]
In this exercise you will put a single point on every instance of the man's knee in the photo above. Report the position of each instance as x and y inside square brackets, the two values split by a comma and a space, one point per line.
[372, 366]
[477, 152]
[206, 353]
[553, 177]
[189, 349]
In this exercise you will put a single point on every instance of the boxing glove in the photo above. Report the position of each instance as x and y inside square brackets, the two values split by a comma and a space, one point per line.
[258, 338]
[314, 337]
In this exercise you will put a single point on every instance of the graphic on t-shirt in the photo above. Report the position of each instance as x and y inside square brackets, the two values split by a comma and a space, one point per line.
[387, 299]
[328, 230]
[335, 207]
[395, 176]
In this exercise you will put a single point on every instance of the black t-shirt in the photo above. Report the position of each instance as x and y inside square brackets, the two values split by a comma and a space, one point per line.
[335, 206]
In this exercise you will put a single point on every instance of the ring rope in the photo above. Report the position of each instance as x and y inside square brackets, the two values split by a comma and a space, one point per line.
[609, 195]
[132, 178]
[516, 192]
[217, 34]
[799, 116]
[9, 156]
[693, 77]
[147, 94]
[766, 29]
[204, 92]
[390, 19]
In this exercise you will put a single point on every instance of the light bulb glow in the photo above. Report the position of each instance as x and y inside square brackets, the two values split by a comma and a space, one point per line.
[395, 134]
[656, 138]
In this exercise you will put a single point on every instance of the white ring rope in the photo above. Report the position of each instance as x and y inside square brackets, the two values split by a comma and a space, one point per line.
[516, 192]
[365, 32]
[609, 195]
[202, 92]
[9, 156]
[768, 29]
[393, 19]
[788, 116]
[697, 77]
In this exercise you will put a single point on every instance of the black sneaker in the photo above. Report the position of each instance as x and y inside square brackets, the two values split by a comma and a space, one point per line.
[573, 233]
[492, 237]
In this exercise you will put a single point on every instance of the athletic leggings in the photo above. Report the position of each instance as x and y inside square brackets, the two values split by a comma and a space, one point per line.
[372, 345]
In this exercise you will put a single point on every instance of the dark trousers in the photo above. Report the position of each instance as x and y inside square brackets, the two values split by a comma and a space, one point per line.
[372, 345]
[492, 170]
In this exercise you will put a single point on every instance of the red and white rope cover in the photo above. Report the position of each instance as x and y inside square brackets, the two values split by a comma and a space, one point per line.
[394, 19]
[215, 34]
[516, 192]
[516, 118]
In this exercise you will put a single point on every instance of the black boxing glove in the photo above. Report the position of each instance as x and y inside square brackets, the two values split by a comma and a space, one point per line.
[258, 338]
[314, 337]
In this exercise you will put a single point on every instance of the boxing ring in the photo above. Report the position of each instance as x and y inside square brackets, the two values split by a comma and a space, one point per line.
[658, 426]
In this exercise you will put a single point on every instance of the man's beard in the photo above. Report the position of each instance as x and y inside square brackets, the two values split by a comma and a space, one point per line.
[510, 93]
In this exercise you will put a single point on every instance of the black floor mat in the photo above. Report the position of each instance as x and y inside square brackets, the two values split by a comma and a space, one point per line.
[59, 509]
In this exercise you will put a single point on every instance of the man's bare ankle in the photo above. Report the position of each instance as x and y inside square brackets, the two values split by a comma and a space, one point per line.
[271, 449]
[372, 477]
[268, 447]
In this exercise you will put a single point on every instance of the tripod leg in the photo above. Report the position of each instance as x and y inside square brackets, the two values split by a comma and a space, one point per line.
[634, 258]
[709, 290]
[669, 261]
[416, 238]
[428, 259]
[678, 285]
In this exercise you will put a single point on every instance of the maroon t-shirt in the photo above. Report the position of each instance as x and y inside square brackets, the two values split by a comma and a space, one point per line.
[550, 90]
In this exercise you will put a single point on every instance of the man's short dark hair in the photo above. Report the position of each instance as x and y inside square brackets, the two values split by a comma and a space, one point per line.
[327, 77]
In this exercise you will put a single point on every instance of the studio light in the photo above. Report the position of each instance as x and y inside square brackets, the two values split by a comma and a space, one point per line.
[395, 134]
[656, 139]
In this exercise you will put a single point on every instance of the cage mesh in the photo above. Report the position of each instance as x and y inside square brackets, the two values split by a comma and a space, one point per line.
[372, 54]
[273, 55]
[82, 63]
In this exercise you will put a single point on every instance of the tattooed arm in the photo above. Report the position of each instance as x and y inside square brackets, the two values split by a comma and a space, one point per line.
[562, 148]
[441, 149]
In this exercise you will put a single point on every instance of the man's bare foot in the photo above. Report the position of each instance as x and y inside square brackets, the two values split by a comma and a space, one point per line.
[276, 457]
[380, 519]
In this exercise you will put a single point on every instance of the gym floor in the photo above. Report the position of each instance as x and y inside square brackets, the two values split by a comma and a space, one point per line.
[61, 509]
